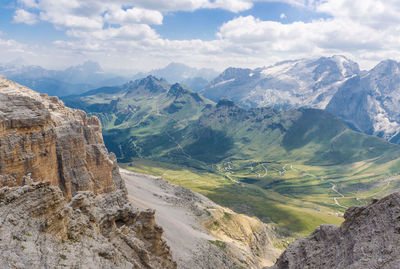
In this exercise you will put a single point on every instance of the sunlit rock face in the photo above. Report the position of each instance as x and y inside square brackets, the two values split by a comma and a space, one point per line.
[42, 139]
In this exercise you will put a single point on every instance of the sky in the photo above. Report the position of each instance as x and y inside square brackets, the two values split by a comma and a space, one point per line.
[140, 35]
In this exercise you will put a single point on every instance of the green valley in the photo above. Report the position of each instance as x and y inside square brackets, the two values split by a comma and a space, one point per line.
[296, 168]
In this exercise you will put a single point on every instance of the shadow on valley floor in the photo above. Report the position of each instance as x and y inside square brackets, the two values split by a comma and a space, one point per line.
[254, 202]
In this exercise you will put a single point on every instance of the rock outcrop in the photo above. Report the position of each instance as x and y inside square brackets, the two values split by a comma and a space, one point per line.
[62, 200]
[41, 137]
[368, 238]
[40, 229]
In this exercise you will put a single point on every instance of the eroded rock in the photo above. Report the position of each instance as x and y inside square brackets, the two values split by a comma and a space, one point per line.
[41, 229]
[368, 238]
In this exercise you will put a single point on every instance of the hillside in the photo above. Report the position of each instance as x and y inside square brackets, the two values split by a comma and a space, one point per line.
[202, 234]
[295, 168]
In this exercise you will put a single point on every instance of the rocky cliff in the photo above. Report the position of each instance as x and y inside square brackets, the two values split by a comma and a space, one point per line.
[370, 101]
[368, 238]
[63, 202]
[41, 139]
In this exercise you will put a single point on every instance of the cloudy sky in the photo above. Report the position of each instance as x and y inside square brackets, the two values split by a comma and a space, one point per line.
[144, 34]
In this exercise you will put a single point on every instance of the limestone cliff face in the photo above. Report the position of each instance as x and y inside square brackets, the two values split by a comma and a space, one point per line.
[43, 139]
[368, 238]
[62, 200]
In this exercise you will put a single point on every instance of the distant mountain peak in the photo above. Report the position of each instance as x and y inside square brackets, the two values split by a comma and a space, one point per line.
[180, 91]
[89, 67]
[177, 65]
[338, 57]
[151, 78]
[177, 90]
[149, 83]
[386, 67]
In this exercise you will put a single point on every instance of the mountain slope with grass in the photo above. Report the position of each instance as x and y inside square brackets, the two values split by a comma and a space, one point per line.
[295, 169]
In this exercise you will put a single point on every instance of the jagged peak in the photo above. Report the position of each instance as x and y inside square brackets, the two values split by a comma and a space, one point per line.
[149, 79]
[149, 83]
[178, 89]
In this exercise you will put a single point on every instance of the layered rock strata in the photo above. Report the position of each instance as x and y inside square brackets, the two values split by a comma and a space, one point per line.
[62, 200]
[41, 229]
[43, 139]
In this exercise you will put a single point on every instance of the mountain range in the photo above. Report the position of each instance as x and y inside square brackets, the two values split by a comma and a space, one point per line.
[296, 168]
[90, 75]
[62, 193]
[73, 80]
[367, 100]
[193, 78]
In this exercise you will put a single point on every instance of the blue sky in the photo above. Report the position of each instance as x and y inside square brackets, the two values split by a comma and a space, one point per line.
[145, 34]
[204, 23]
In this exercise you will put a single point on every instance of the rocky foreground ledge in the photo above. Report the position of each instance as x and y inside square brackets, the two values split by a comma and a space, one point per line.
[40, 229]
[368, 238]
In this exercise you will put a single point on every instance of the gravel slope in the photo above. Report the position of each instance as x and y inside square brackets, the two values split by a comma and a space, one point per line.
[184, 214]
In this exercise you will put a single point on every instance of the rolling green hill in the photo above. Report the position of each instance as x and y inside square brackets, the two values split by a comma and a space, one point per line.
[296, 168]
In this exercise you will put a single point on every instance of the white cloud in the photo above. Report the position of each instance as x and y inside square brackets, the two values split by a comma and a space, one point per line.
[374, 13]
[365, 30]
[133, 15]
[231, 5]
[191, 5]
[28, 3]
[138, 32]
[23, 16]
[172, 5]
[11, 50]
[282, 16]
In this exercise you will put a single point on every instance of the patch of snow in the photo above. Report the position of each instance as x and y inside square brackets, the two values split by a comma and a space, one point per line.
[223, 82]
[340, 61]
[278, 68]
